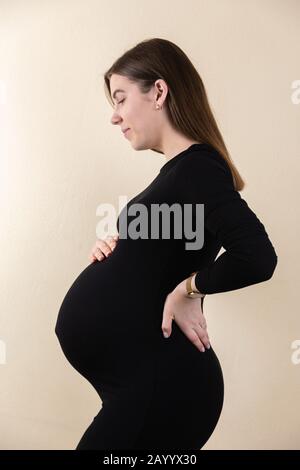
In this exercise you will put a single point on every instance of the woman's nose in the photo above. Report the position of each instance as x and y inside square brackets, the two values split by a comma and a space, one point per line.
[115, 119]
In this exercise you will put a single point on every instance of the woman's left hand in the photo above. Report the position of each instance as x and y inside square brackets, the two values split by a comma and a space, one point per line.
[187, 312]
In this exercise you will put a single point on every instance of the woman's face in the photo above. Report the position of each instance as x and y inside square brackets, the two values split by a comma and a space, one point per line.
[136, 111]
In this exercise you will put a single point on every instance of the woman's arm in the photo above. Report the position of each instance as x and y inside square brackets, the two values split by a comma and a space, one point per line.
[250, 257]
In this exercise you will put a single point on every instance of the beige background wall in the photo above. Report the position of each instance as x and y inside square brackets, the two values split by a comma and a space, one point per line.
[61, 158]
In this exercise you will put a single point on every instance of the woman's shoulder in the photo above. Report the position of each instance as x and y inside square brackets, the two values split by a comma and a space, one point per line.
[205, 162]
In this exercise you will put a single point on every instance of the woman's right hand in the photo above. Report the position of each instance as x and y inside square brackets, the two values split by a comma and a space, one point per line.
[103, 248]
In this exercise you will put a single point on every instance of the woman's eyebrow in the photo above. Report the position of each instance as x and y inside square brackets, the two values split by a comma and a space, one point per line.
[116, 91]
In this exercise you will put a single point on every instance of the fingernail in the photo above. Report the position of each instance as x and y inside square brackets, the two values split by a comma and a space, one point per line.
[166, 334]
[202, 349]
[208, 346]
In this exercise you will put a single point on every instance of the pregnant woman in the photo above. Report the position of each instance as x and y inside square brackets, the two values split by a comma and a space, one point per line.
[132, 322]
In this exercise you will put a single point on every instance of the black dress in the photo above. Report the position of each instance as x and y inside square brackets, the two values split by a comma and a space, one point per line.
[156, 392]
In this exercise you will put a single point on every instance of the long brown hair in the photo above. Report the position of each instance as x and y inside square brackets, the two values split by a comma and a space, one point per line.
[186, 103]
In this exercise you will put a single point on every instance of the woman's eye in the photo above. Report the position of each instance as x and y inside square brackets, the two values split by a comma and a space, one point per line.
[121, 101]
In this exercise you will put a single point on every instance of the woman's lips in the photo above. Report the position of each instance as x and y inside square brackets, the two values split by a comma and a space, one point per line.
[125, 132]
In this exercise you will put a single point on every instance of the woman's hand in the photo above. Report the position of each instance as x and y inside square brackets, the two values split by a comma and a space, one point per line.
[103, 248]
[187, 312]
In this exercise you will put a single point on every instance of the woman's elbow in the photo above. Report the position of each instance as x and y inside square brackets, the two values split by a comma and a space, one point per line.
[266, 266]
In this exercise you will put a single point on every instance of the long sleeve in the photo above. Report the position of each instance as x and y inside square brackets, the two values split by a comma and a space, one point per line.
[250, 257]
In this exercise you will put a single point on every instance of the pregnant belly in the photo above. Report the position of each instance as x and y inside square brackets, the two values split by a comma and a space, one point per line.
[105, 325]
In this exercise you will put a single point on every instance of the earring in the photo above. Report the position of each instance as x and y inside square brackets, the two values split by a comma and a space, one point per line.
[157, 106]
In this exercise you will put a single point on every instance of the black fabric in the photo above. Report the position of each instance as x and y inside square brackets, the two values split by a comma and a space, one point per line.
[156, 392]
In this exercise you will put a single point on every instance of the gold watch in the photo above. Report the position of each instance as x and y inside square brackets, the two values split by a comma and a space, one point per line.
[190, 291]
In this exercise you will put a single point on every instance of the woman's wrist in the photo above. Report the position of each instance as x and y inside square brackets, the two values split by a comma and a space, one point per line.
[194, 287]
[181, 288]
